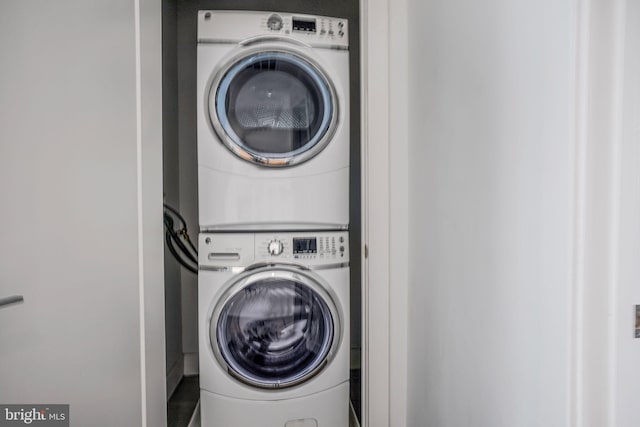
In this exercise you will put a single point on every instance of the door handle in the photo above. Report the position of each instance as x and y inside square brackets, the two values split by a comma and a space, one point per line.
[10, 300]
[224, 256]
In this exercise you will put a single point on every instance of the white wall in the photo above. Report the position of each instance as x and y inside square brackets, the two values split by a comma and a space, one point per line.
[80, 180]
[627, 350]
[491, 171]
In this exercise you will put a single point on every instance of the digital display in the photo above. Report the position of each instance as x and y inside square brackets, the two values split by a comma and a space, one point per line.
[305, 246]
[307, 25]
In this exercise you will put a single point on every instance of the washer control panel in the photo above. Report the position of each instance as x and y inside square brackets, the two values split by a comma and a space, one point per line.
[313, 248]
[238, 25]
[308, 27]
[309, 248]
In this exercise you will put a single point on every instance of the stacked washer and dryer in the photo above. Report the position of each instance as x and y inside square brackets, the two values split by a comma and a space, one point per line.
[273, 175]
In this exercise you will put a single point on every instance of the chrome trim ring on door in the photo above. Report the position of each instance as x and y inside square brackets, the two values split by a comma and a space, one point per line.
[298, 275]
[214, 98]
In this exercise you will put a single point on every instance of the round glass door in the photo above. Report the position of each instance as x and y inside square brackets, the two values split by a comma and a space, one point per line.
[275, 331]
[273, 107]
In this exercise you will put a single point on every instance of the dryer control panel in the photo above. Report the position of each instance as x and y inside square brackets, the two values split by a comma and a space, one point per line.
[307, 248]
[238, 26]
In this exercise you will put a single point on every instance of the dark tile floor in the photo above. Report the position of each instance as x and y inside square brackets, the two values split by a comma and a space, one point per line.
[354, 391]
[183, 401]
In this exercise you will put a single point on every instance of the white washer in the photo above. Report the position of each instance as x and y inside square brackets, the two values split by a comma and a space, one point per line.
[273, 121]
[274, 329]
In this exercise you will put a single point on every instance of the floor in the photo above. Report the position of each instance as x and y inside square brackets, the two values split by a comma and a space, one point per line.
[354, 391]
[184, 400]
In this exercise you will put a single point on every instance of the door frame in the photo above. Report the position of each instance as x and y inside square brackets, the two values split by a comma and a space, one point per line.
[385, 201]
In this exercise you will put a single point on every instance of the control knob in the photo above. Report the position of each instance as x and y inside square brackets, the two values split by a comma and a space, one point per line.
[275, 247]
[274, 22]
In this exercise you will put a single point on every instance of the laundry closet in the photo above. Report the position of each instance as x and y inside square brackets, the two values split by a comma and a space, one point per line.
[326, 234]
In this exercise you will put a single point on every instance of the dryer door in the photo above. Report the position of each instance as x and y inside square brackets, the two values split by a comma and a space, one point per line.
[275, 327]
[272, 107]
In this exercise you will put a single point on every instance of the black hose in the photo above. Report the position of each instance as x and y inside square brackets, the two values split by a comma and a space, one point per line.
[182, 247]
[182, 262]
[183, 227]
[179, 242]
[192, 269]
[176, 213]
[172, 237]
[186, 236]
[191, 250]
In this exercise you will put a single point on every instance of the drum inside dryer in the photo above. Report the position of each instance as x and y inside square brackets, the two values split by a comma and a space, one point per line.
[273, 105]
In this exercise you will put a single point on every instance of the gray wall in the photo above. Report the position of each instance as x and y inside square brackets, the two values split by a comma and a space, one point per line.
[171, 177]
[187, 98]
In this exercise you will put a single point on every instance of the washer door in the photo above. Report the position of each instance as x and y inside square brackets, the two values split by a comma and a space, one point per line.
[272, 107]
[275, 328]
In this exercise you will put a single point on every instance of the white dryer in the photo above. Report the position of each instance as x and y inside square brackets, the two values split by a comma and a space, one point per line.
[274, 329]
[273, 121]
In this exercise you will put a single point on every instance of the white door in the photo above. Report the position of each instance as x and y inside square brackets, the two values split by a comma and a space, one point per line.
[89, 332]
